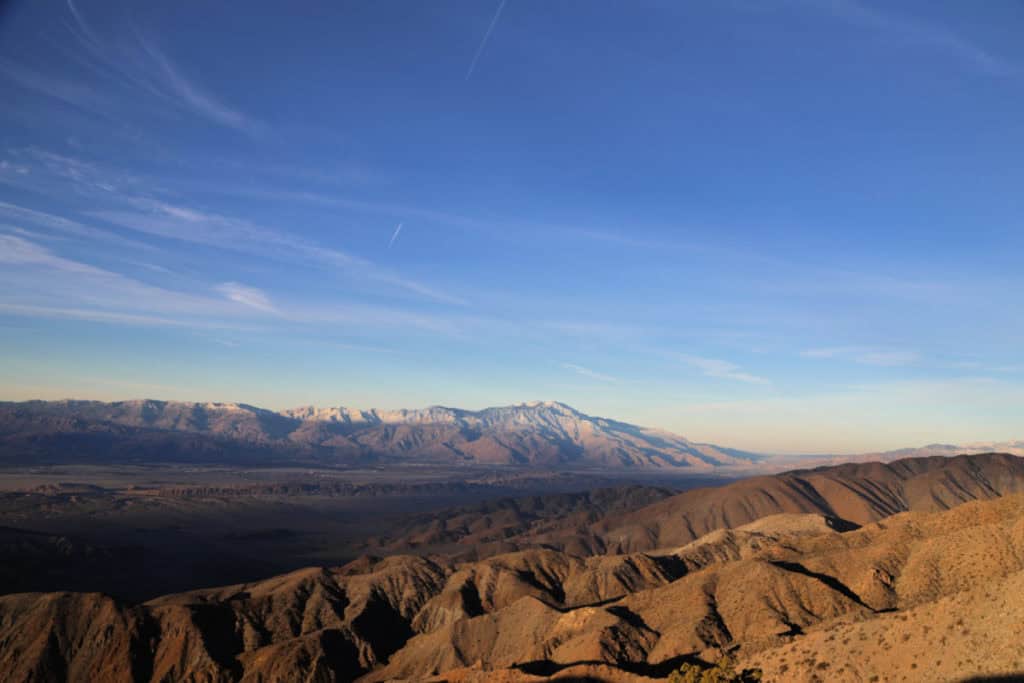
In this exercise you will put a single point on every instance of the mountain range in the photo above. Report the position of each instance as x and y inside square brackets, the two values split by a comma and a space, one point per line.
[539, 433]
[545, 434]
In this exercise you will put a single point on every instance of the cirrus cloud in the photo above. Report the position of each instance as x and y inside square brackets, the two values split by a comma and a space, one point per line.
[722, 369]
[247, 296]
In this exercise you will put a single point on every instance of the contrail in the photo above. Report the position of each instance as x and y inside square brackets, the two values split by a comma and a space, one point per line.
[395, 236]
[84, 27]
[483, 43]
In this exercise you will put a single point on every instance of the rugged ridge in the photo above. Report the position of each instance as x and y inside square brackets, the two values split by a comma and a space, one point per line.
[851, 495]
[539, 433]
[859, 493]
[799, 594]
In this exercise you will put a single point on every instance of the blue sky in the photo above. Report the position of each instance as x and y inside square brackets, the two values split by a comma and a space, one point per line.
[790, 226]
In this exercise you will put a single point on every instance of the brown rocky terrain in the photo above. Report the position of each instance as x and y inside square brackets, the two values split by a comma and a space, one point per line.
[857, 493]
[852, 493]
[508, 524]
[875, 593]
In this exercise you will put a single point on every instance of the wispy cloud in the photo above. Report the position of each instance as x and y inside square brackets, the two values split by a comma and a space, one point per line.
[386, 208]
[712, 367]
[830, 352]
[913, 30]
[587, 372]
[888, 358]
[16, 251]
[127, 205]
[760, 265]
[865, 356]
[980, 367]
[24, 215]
[127, 75]
[483, 42]
[191, 225]
[35, 281]
[247, 296]
[37, 275]
[193, 97]
[117, 317]
[6, 167]
[77, 94]
[46, 172]
[83, 31]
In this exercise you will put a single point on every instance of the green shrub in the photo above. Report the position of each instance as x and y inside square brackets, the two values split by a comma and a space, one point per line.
[724, 671]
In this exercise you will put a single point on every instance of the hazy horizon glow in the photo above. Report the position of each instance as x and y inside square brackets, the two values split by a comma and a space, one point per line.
[785, 228]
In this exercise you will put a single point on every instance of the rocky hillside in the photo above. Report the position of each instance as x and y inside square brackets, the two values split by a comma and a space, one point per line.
[548, 434]
[932, 594]
[854, 494]
[858, 493]
[789, 595]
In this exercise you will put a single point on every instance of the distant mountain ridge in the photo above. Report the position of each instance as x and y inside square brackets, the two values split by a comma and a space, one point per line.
[544, 433]
[945, 450]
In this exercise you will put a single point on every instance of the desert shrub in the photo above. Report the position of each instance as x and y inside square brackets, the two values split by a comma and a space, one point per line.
[724, 671]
